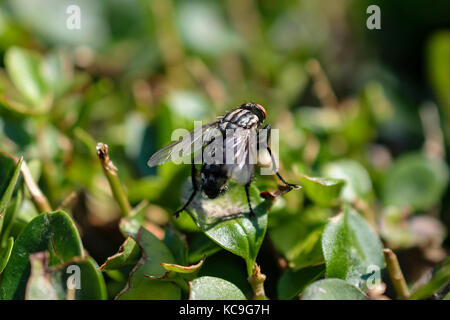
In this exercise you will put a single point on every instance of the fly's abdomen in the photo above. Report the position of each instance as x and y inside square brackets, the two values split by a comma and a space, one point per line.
[214, 179]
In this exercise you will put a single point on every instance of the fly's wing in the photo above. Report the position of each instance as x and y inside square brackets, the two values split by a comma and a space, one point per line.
[243, 146]
[241, 175]
[189, 141]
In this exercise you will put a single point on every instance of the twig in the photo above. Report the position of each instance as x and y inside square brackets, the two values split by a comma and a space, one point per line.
[396, 274]
[256, 281]
[69, 200]
[272, 196]
[39, 200]
[322, 86]
[246, 19]
[71, 293]
[169, 43]
[210, 84]
[110, 172]
[279, 260]
[434, 139]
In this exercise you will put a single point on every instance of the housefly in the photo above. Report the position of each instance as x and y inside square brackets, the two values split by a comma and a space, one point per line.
[214, 142]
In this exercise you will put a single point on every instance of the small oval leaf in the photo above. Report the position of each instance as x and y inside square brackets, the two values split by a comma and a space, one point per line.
[182, 269]
[332, 289]
[292, 282]
[212, 288]
[323, 191]
[352, 249]
[358, 183]
[415, 180]
[23, 67]
[9, 175]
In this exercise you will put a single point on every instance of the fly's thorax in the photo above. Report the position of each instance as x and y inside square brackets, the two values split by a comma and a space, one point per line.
[239, 118]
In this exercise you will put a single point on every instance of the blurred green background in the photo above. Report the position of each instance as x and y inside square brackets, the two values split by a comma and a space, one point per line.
[369, 106]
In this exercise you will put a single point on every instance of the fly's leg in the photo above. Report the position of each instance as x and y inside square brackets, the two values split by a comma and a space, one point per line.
[247, 193]
[194, 192]
[274, 165]
[274, 168]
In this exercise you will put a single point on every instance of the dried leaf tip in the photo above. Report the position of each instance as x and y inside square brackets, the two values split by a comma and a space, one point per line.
[256, 281]
[272, 196]
[102, 153]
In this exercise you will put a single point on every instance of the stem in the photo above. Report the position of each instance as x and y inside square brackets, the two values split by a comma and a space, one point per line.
[280, 261]
[211, 86]
[172, 52]
[71, 294]
[39, 200]
[434, 138]
[110, 172]
[396, 274]
[322, 86]
[256, 281]
[183, 285]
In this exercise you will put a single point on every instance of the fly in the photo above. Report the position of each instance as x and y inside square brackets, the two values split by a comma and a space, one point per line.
[213, 140]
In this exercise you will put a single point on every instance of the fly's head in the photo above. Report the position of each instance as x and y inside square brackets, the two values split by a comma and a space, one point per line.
[256, 109]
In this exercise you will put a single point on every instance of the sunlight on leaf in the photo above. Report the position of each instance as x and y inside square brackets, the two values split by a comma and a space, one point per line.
[332, 289]
[211, 288]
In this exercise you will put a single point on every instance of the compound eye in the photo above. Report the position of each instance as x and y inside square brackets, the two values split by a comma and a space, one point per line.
[262, 109]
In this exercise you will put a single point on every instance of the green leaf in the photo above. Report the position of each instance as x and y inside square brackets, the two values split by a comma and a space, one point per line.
[205, 19]
[10, 217]
[298, 237]
[291, 282]
[9, 175]
[5, 253]
[323, 191]
[332, 289]
[201, 246]
[188, 104]
[212, 288]
[351, 248]
[154, 252]
[226, 220]
[318, 120]
[228, 266]
[26, 212]
[57, 72]
[23, 67]
[440, 279]
[131, 224]
[177, 245]
[53, 231]
[128, 255]
[438, 61]
[357, 179]
[92, 283]
[182, 269]
[415, 180]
